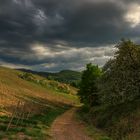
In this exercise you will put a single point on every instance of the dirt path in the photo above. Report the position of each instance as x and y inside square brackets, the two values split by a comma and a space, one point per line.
[66, 127]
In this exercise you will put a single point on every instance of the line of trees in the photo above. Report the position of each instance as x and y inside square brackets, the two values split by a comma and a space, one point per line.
[117, 82]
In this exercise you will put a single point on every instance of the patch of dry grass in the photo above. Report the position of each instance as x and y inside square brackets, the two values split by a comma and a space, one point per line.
[13, 88]
[36, 98]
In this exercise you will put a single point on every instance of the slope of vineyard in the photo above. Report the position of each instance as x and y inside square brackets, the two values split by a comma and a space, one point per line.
[30, 105]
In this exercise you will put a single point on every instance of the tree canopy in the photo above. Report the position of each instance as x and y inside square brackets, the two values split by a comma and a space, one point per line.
[88, 87]
[119, 80]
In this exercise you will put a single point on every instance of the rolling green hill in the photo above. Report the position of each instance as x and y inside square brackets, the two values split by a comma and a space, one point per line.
[65, 76]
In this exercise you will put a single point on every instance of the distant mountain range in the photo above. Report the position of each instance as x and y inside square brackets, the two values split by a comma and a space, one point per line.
[65, 76]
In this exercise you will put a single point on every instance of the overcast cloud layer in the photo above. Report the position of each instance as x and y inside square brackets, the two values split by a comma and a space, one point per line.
[51, 35]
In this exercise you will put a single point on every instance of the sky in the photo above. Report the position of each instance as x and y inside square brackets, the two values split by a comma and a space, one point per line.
[53, 35]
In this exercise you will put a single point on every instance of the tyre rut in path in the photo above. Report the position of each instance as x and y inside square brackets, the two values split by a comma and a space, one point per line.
[65, 127]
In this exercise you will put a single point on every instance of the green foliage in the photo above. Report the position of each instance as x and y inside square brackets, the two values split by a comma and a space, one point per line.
[59, 87]
[46, 83]
[27, 76]
[66, 76]
[121, 80]
[119, 121]
[118, 91]
[88, 87]
[95, 133]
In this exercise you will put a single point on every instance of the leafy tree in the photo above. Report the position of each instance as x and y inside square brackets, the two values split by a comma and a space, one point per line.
[88, 87]
[27, 76]
[121, 79]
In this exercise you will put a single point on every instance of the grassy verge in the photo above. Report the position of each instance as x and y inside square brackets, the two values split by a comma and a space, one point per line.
[35, 128]
[121, 122]
[91, 129]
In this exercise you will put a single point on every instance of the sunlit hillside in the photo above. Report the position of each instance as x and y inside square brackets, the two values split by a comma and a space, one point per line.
[23, 99]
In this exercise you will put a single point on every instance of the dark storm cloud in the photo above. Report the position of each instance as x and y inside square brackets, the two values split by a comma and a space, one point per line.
[60, 26]
[97, 23]
[64, 19]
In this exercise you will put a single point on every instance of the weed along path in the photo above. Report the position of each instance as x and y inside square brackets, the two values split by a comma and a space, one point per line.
[65, 127]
